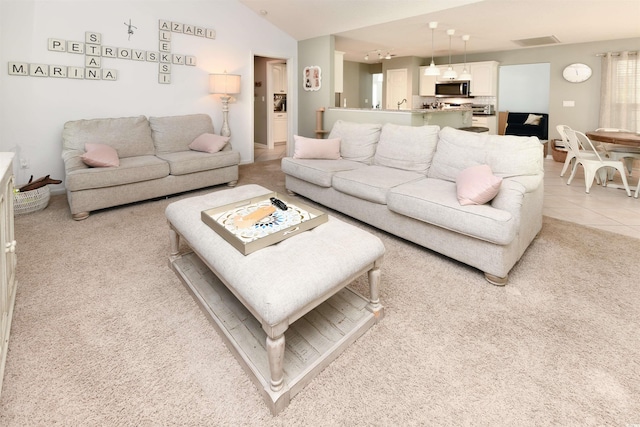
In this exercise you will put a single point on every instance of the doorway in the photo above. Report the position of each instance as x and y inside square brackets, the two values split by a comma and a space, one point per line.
[270, 130]
[397, 96]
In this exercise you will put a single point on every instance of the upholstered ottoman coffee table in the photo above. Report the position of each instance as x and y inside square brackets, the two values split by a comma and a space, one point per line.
[285, 310]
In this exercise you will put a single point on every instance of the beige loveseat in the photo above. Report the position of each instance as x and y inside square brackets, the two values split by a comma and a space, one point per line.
[402, 179]
[154, 160]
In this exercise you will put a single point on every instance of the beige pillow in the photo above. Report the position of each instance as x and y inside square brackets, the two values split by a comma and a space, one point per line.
[533, 119]
[100, 155]
[209, 143]
[309, 148]
[476, 185]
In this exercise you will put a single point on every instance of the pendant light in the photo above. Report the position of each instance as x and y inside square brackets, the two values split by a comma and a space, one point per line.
[450, 73]
[466, 75]
[432, 70]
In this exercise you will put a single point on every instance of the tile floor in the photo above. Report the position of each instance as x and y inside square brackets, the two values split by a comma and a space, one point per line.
[606, 208]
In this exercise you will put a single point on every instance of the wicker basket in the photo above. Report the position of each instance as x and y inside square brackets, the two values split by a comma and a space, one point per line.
[559, 155]
[31, 201]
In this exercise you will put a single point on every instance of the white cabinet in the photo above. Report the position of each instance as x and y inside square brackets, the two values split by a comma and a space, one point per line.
[8, 257]
[339, 72]
[427, 83]
[280, 127]
[490, 122]
[484, 78]
[279, 78]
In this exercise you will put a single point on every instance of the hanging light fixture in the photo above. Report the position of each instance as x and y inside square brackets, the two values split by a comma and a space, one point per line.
[432, 70]
[450, 73]
[388, 56]
[366, 57]
[466, 75]
[379, 55]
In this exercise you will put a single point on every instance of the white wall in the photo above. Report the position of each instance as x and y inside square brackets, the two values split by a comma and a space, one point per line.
[33, 110]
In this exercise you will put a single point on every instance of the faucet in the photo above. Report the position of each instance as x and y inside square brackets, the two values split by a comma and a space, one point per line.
[401, 102]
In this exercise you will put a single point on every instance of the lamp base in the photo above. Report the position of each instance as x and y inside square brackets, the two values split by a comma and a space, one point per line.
[225, 131]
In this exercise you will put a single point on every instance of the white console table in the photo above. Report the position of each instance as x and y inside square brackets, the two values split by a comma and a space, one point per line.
[8, 257]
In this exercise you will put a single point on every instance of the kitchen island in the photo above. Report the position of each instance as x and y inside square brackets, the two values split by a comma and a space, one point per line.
[455, 117]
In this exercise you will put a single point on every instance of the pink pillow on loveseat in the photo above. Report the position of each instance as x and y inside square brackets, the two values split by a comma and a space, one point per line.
[100, 155]
[209, 143]
[477, 185]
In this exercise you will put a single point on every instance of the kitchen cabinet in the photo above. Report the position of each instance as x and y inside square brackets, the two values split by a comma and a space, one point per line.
[8, 257]
[339, 72]
[490, 122]
[427, 84]
[279, 127]
[279, 78]
[484, 78]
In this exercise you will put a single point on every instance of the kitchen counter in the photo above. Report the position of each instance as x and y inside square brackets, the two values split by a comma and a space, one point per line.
[455, 117]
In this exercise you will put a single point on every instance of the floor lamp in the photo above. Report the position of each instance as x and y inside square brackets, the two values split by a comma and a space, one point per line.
[225, 85]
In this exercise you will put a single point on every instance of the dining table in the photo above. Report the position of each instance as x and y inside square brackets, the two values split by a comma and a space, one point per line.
[631, 139]
[615, 137]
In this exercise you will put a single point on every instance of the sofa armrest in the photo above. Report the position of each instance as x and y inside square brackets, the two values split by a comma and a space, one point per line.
[512, 192]
[73, 160]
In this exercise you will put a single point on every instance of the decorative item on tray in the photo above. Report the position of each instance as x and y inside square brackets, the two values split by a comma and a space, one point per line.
[256, 223]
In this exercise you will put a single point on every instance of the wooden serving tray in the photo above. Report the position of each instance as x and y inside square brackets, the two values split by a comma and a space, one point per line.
[270, 230]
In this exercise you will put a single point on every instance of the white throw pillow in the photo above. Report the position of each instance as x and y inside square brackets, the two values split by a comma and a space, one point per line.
[533, 119]
[477, 185]
[310, 148]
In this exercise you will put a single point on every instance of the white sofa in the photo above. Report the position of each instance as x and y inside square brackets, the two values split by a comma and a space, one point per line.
[154, 160]
[402, 179]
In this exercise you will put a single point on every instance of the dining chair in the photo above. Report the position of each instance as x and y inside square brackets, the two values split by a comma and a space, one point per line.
[622, 152]
[592, 161]
[570, 156]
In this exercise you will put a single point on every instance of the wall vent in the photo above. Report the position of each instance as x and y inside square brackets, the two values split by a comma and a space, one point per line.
[537, 41]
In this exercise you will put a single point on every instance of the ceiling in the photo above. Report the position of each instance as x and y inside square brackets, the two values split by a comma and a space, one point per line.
[401, 27]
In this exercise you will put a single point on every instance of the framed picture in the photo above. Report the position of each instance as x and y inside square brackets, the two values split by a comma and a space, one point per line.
[312, 78]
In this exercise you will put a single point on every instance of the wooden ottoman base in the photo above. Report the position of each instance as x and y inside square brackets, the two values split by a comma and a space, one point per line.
[312, 342]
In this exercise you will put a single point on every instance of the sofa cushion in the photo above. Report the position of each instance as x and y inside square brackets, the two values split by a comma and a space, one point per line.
[131, 169]
[434, 201]
[185, 162]
[209, 143]
[407, 147]
[476, 185]
[318, 172]
[506, 155]
[372, 182]
[130, 136]
[100, 156]
[358, 140]
[175, 133]
[310, 148]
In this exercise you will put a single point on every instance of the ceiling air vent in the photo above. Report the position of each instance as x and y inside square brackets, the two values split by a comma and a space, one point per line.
[537, 41]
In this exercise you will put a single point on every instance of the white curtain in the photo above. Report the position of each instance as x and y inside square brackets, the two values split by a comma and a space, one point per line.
[620, 91]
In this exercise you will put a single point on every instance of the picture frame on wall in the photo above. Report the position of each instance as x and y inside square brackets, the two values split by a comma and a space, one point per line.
[312, 78]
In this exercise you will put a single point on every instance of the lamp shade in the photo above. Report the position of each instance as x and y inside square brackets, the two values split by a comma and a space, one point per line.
[225, 84]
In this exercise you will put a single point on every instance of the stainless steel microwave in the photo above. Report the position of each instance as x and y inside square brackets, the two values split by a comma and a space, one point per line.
[453, 89]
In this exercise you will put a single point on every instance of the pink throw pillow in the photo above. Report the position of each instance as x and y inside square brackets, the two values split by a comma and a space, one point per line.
[209, 143]
[100, 155]
[309, 148]
[476, 185]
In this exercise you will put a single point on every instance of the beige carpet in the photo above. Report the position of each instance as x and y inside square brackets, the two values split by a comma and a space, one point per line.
[104, 334]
